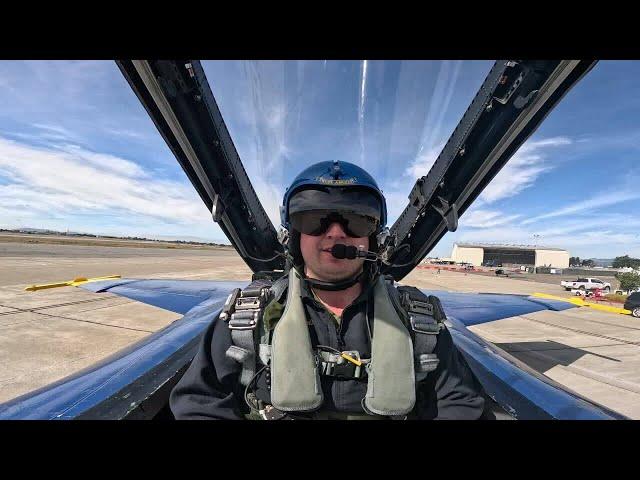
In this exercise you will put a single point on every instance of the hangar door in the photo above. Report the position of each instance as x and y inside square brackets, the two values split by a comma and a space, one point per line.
[506, 255]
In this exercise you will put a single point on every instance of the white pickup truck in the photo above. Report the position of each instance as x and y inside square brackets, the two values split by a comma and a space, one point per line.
[586, 284]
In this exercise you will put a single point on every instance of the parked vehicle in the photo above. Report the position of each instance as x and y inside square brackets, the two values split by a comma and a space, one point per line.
[633, 304]
[491, 263]
[586, 284]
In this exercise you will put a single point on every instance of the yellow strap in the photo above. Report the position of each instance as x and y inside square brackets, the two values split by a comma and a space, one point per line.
[71, 283]
[351, 359]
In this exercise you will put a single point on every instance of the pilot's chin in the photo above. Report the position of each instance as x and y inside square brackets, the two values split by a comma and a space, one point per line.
[341, 277]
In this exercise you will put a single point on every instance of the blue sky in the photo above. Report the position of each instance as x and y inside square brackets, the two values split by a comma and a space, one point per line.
[78, 152]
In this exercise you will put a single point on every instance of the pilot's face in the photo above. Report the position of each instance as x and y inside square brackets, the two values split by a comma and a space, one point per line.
[320, 264]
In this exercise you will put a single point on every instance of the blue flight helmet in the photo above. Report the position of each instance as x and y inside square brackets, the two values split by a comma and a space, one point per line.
[338, 179]
[332, 185]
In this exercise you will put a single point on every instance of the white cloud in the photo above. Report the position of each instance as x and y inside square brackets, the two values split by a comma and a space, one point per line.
[363, 88]
[521, 172]
[441, 96]
[597, 239]
[523, 169]
[432, 141]
[104, 161]
[396, 202]
[424, 161]
[608, 222]
[120, 132]
[72, 180]
[599, 201]
[486, 218]
[57, 129]
[270, 196]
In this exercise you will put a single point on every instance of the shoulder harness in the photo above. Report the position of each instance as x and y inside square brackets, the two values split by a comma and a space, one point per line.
[295, 372]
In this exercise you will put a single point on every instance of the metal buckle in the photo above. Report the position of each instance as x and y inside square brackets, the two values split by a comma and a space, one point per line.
[416, 306]
[229, 304]
[343, 368]
[248, 303]
[424, 323]
[421, 308]
[251, 298]
[246, 309]
[427, 362]
[242, 321]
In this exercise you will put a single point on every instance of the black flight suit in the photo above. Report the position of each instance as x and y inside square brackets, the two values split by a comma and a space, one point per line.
[210, 388]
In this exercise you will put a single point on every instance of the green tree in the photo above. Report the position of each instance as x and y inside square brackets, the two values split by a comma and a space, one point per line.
[588, 263]
[573, 261]
[626, 261]
[628, 281]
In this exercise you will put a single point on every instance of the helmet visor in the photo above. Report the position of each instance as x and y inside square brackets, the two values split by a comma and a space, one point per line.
[356, 200]
[317, 222]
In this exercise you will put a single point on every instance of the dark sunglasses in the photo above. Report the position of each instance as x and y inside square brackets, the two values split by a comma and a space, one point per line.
[317, 222]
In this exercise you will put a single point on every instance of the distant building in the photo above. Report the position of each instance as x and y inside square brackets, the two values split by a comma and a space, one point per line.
[478, 254]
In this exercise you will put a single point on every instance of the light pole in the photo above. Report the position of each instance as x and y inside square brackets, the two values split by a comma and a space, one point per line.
[535, 239]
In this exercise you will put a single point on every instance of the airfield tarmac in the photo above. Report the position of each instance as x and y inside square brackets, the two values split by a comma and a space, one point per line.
[49, 334]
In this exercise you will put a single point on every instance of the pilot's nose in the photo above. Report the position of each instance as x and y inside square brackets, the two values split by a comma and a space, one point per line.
[335, 230]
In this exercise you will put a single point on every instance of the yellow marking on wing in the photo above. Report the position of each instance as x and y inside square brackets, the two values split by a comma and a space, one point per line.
[581, 303]
[71, 283]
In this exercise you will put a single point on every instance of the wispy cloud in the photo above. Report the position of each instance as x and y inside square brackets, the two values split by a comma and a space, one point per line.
[120, 132]
[270, 196]
[599, 237]
[397, 200]
[258, 119]
[594, 241]
[57, 129]
[448, 75]
[486, 218]
[434, 136]
[521, 172]
[599, 201]
[523, 169]
[74, 180]
[425, 160]
[361, 104]
[44, 134]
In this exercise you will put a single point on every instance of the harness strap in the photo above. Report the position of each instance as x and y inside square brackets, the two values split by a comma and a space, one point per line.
[425, 320]
[242, 312]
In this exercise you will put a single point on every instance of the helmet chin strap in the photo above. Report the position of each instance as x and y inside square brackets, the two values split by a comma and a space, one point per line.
[333, 286]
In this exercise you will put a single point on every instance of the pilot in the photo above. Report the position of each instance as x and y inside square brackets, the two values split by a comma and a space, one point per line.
[333, 338]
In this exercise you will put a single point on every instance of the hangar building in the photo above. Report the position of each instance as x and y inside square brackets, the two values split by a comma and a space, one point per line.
[479, 253]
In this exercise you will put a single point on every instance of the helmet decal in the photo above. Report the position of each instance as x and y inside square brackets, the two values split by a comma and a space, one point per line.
[337, 181]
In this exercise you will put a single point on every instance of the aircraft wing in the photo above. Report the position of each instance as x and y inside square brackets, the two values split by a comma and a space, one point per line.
[135, 382]
[177, 296]
[476, 308]
[180, 296]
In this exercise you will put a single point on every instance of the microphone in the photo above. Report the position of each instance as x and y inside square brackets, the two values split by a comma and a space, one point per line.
[350, 252]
